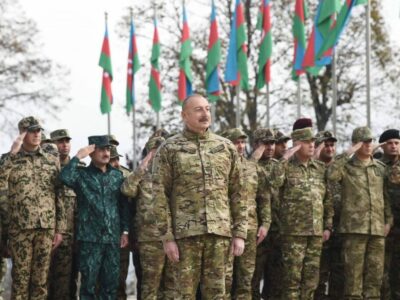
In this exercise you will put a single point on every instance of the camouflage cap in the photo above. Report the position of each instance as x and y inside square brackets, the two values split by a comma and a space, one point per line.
[44, 139]
[29, 123]
[59, 134]
[99, 140]
[50, 148]
[304, 134]
[113, 140]
[114, 152]
[264, 135]
[324, 136]
[234, 133]
[361, 134]
[154, 142]
[281, 137]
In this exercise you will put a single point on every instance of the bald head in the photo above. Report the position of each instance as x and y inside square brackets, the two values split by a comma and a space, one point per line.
[196, 113]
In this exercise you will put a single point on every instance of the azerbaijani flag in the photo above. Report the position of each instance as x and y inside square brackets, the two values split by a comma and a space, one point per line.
[185, 72]
[105, 63]
[213, 59]
[300, 15]
[155, 83]
[133, 67]
[236, 65]
[323, 22]
[341, 22]
[264, 58]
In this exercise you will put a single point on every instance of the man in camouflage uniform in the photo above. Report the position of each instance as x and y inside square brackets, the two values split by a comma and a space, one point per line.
[61, 274]
[103, 221]
[365, 216]
[36, 214]
[197, 184]
[138, 186]
[331, 275]
[391, 287]
[305, 216]
[268, 262]
[124, 253]
[258, 219]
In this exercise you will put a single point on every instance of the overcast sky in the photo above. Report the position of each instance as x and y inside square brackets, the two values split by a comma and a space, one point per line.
[72, 32]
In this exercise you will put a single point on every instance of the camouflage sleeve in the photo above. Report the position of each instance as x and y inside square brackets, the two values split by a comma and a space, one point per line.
[130, 186]
[335, 171]
[278, 173]
[387, 206]
[238, 201]
[5, 169]
[61, 216]
[162, 186]
[263, 200]
[328, 205]
[69, 175]
[394, 173]
[124, 213]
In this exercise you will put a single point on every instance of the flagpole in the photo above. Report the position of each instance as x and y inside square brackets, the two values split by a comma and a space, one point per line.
[368, 59]
[108, 114]
[237, 105]
[267, 106]
[334, 91]
[134, 160]
[299, 97]
[157, 113]
[213, 107]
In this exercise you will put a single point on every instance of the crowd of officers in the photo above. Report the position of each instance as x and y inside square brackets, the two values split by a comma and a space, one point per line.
[201, 219]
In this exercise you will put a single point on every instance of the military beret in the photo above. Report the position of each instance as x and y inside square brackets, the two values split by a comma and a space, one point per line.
[99, 140]
[361, 134]
[113, 140]
[114, 152]
[302, 123]
[323, 136]
[304, 134]
[59, 134]
[154, 142]
[264, 135]
[281, 137]
[233, 134]
[29, 123]
[389, 134]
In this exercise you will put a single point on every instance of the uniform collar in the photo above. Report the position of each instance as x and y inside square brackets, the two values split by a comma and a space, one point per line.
[356, 162]
[39, 151]
[93, 168]
[190, 135]
[387, 160]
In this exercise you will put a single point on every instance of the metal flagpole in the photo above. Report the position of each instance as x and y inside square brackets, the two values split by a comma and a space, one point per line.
[133, 112]
[267, 106]
[213, 108]
[368, 59]
[108, 123]
[238, 105]
[299, 97]
[334, 91]
[158, 120]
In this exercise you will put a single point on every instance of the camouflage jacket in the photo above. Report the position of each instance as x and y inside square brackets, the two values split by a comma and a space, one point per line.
[393, 189]
[306, 207]
[103, 212]
[29, 188]
[258, 195]
[139, 187]
[365, 205]
[267, 165]
[198, 184]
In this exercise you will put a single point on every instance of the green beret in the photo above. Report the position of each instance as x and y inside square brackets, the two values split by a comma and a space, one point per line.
[29, 123]
[264, 135]
[304, 134]
[234, 134]
[59, 134]
[99, 140]
[361, 134]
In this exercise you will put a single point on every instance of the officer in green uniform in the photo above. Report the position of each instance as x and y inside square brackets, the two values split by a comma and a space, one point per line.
[103, 221]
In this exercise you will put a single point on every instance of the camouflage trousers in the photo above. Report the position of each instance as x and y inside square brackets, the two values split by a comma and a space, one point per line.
[98, 261]
[31, 253]
[60, 270]
[301, 259]
[363, 257]
[331, 274]
[123, 273]
[3, 270]
[391, 276]
[240, 273]
[202, 260]
[152, 261]
[268, 267]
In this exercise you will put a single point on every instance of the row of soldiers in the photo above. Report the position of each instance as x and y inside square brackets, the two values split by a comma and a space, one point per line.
[203, 220]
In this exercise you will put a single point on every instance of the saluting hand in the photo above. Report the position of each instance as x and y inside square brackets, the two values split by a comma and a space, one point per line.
[145, 162]
[258, 152]
[85, 151]
[291, 151]
[377, 146]
[317, 151]
[353, 149]
[16, 146]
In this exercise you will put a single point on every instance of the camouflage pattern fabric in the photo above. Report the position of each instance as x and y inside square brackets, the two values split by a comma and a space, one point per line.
[363, 257]
[3, 270]
[30, 253]
[301, 258]
[99, 261]
[123, 273]
[203, 258]
[197, 183]
[152, 260]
